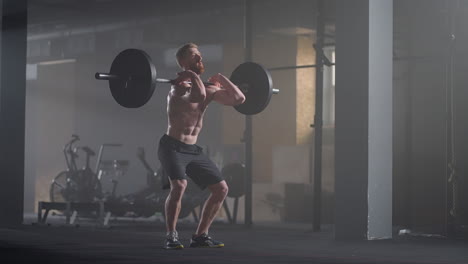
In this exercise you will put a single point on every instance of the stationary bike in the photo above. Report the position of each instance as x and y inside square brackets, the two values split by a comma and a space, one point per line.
[73, 184]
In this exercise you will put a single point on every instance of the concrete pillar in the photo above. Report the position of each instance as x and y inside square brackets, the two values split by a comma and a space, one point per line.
[12, 110]
[364, 38]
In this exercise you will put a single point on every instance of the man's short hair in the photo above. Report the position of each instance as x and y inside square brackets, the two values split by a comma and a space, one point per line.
[182, 51]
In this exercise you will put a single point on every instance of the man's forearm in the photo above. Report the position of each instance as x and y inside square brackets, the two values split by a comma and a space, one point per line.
[231, 88]
[197, 92]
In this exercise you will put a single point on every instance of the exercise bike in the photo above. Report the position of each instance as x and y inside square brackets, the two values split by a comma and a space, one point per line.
[74, 184]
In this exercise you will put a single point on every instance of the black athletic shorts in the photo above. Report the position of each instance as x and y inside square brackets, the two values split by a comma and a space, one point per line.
[179, 160]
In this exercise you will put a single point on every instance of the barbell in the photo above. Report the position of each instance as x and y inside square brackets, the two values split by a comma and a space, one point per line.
[133, 79]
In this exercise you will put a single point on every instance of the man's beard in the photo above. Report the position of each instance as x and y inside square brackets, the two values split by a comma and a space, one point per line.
[198, 68]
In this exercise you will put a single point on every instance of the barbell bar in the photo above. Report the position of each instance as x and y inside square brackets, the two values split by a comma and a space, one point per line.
[107, 76]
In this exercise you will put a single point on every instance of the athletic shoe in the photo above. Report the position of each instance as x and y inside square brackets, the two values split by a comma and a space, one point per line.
[204, 241]
[172, 241]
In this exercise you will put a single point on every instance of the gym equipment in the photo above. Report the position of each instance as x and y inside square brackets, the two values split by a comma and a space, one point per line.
[133, 79]
[73, 184]
[234, 174]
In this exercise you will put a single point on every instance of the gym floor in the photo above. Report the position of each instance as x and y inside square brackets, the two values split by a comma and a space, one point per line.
[132, 241]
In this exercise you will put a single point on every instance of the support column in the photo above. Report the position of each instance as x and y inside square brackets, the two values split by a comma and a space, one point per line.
[12, 110]
[248, 135]
[318, 119]
[363, 139]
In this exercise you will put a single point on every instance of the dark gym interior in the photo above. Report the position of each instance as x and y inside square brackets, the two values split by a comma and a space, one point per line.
[349, 148]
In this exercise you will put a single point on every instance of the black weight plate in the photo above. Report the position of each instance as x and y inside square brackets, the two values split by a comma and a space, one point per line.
[137, 78]
[234, 175]
[255, 81]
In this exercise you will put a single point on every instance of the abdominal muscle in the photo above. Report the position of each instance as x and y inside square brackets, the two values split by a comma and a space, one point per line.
[185, 120]
[188, 135]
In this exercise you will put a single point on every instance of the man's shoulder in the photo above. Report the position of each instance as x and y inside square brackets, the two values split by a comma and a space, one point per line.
[173, 96]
